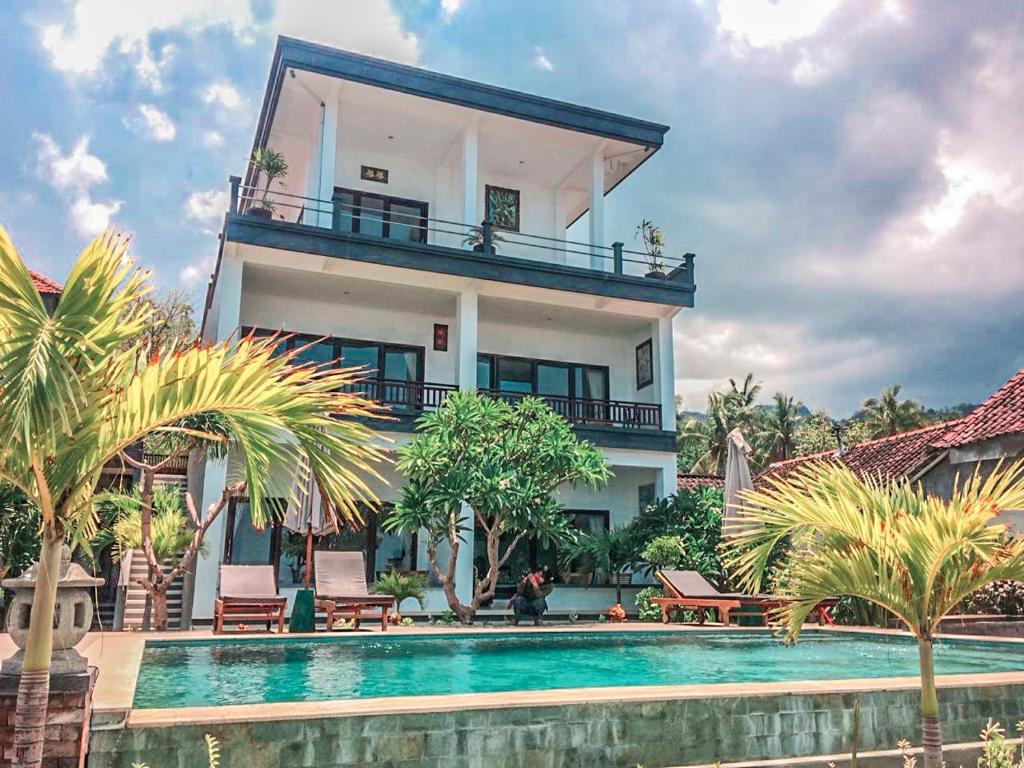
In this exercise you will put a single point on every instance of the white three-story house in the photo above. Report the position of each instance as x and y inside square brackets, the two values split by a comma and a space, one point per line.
[421, 230]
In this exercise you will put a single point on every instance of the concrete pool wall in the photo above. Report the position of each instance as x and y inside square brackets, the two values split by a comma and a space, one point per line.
[656, 726]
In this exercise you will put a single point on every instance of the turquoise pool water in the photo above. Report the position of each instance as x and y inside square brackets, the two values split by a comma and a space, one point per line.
[249, 671]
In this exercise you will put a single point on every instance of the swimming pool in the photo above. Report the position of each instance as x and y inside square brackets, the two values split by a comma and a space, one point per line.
[250, 671]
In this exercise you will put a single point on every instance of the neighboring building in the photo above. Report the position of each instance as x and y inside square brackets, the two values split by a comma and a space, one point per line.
[391, 170]
[937, 455]
[48, 290]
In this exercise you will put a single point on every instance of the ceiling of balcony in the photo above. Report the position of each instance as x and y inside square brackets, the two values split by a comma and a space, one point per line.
[431, 131]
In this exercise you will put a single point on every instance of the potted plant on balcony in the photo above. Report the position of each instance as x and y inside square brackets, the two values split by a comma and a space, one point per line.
[654, 247]
[273, 167]
[475, 238]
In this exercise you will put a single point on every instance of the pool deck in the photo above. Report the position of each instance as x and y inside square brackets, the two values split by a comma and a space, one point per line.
[118, 655]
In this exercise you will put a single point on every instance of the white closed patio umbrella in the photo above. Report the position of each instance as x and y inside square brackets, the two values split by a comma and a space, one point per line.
[309, 513]
[737, 479]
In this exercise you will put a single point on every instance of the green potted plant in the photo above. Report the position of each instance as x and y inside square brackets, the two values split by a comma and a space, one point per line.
[654, 247]
[273, 167]
[401, 586]
[475, 238]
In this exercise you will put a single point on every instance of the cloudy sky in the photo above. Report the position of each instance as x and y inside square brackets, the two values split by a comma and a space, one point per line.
[848, 172]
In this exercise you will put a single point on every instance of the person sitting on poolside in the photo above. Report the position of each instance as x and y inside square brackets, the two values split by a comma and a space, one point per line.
[531, 590]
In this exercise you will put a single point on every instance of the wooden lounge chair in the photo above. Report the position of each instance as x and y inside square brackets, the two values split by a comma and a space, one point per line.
[690, 590]
[248, 592]
[340, 579]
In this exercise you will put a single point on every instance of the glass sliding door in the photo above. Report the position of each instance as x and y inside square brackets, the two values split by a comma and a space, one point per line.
[402, 373]
[515, 375]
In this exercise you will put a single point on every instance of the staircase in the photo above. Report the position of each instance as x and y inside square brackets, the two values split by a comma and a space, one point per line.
[136, 598]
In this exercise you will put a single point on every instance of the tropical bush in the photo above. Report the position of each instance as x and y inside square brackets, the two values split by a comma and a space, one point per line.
[610, 552]
[646, 609]
[1004, 598]
[695, 518]
[664, 552]
[402, 586]
[19, 531]
[171, 531]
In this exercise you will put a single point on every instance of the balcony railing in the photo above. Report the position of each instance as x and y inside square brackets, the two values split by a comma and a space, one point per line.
[484, 238]
[414, 396]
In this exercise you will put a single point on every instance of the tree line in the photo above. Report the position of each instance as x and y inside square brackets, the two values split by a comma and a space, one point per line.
[784, 428]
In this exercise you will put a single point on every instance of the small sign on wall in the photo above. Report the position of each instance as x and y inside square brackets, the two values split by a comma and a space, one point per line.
[368, 173]
[440, 337]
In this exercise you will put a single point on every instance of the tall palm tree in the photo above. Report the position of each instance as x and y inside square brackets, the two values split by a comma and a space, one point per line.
[780, 425]
[72, 398]
[726, 410]
[888, 415]
[912, 554]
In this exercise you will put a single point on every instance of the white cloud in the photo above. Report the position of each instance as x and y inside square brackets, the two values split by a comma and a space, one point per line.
[376, 30]
[78, 170]
[90, 30]
[154, 123]
[90, 218]
[773, 23]
[78, 45]
[541, 61]
[222, 93]
[449, 8]
[196, 272]
[212, 139]
[206, 205]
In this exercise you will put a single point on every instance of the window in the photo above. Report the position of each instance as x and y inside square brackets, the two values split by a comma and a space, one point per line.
[392, 370]
[543, 377]
[380, 216]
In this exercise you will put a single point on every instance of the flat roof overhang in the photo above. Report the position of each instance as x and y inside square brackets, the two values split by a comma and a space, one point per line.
[300, 54]
[676, 290]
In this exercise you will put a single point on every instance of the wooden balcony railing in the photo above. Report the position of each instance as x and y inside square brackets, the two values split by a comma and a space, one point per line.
[414, 396]
[596, 413]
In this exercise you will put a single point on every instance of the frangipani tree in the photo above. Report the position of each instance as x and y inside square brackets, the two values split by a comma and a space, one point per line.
[502, 460]
[72, 397]
[913, 554]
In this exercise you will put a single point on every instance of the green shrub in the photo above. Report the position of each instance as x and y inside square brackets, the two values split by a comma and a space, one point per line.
[695, 517]
[646, 609]
[402, 586]
[1005, 598]
[664, 552]
[19, 531]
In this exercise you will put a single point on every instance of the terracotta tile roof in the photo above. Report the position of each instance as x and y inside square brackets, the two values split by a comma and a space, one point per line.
[45, 284]
[892, 457]
[691, 481]
[1001, 414]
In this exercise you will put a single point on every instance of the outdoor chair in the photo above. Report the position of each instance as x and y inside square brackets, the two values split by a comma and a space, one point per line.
[248, 592]
[691, 591]
[340, 581]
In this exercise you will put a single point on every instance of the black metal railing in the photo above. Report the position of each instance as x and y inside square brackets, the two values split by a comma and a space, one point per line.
[485, 238]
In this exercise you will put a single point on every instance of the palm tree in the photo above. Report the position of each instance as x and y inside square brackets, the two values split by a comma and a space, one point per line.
[888, 415]
[912, 554]
[780, 425]
[73, 398]
[746, 394]
[726, 410]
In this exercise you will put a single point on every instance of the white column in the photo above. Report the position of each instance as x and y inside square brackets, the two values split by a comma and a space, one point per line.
[597, 211]
[470, 216]
[228, 309]
[663, 354]
[559, 206]
[328, 157]
[466, 313]
[667, 478]
[466, 320]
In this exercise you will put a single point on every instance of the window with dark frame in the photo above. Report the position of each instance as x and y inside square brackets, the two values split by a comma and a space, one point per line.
[522, 375]
[369, 213]
[394, 371]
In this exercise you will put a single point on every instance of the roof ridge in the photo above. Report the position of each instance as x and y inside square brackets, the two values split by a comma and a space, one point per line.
[43, 284]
